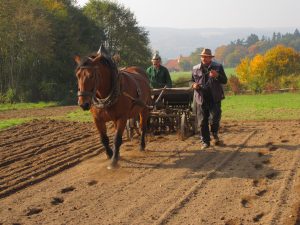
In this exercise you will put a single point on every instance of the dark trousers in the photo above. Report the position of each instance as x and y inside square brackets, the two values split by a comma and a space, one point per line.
[208, 114]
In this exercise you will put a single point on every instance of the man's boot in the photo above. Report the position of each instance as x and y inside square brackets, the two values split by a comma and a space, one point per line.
[204, 145]
[216, 139]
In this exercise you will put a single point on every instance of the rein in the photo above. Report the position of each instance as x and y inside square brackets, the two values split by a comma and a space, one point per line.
[112, 96]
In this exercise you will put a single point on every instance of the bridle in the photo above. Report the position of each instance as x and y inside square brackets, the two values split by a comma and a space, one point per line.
[91, 94]
[112, 96]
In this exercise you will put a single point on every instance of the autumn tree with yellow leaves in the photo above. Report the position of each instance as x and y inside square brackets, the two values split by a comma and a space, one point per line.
[279, 67]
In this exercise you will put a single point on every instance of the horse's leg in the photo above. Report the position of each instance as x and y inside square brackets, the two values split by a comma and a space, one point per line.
[105, 142]
[104, 138]
[120, 126]
[143, 124]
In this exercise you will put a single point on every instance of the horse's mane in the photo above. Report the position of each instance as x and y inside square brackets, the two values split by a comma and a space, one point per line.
[85, 61]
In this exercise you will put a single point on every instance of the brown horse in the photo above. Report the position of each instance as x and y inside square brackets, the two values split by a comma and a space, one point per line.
[112, 95]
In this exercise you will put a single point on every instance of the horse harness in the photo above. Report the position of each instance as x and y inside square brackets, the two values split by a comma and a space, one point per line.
[115, 90]
[129, 75]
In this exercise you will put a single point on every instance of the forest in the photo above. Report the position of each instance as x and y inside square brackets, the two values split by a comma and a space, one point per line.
[39, 39]
[260, 64]
[231, 54]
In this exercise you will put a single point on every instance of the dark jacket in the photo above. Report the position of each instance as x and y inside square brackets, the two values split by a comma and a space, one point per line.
[213, 86]
[159, 77]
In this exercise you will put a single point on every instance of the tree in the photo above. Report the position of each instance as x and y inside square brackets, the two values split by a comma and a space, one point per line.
[38, 39]
[235, 56]
[243, 70]
[265, 70]
[185, 65]
[195, 56]
[122, 33]
[25, 42]
[240, 42]
[252, 39]
[220, 54]
[231, 54]
[280, 61]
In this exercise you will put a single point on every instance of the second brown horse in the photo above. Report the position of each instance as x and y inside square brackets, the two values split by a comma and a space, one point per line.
[112, 95]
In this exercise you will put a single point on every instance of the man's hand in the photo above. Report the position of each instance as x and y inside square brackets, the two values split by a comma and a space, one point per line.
[213, 74]
[195, 86]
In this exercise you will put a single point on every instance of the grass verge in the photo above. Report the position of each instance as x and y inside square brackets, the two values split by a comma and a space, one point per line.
[13, 122]
[178, 77]
[281, 106]
[79, 116]
[16, 106]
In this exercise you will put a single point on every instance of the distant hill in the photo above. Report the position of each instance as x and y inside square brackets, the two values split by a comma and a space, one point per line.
[171, 42]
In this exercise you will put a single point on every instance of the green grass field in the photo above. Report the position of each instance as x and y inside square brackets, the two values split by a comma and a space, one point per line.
[230, 71]
[13, 122]
[17, 106]
[181, 76]
[282, 106]
[79, 116]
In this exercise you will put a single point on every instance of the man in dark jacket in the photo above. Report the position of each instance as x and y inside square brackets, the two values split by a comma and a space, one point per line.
[208, 77]
[158, 75]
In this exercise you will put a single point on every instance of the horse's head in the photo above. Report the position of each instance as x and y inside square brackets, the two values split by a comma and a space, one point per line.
[93, 75]
[87, 80]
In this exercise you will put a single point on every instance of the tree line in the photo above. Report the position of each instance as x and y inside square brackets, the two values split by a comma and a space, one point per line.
[277, 68]
[264, 64]
[230, 55]
[39, 38]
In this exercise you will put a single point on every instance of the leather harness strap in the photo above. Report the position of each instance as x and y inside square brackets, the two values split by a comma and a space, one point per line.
[129, 75]
[137, 100]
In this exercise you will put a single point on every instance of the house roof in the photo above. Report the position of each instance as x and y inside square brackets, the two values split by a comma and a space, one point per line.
[172, 64]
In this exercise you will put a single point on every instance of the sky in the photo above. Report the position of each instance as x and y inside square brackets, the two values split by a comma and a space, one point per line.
[214, 13]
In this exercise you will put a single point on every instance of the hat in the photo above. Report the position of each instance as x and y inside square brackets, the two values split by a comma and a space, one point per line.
[156, 57]
[206, 52]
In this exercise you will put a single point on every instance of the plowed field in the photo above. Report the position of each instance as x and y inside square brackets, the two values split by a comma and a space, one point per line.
[54, 172]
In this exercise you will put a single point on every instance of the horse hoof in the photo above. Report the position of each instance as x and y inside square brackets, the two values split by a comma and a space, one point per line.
[142, 147]
[112, 167]
[108, 156]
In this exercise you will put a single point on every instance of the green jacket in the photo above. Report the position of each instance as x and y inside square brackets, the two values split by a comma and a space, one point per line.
[159, 78]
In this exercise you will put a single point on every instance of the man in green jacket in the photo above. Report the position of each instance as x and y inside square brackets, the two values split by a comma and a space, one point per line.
[158, 75]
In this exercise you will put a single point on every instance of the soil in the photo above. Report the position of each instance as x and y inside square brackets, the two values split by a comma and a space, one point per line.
[55, 172]
[41, 112]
